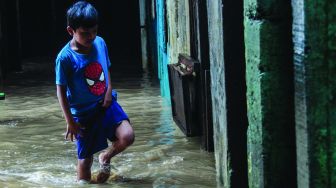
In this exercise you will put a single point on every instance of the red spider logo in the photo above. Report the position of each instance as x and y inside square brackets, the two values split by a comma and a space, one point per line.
[95, 78]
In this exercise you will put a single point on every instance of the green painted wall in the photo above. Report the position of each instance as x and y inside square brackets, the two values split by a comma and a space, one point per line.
[314, 36]
[269, 74]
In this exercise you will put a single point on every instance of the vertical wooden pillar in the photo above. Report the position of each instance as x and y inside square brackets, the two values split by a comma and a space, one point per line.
[162, 48]
[270, 93]
[143, 30]
[148, 22]
[227, 68]
[314, 36]
[234, 60]
[152, 36]
[199, 49]
[218, 94]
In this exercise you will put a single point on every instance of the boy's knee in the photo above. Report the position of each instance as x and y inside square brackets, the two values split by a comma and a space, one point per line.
[128, 138]
[125, 133]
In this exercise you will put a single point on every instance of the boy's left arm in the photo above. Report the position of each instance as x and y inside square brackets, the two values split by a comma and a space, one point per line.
[108, 95]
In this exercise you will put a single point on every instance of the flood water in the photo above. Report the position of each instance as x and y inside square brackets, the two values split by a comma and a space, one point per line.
[33, 152]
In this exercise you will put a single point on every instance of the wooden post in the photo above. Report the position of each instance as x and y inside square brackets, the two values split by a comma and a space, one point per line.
[199, 49]
[143, 31]
[227, 69]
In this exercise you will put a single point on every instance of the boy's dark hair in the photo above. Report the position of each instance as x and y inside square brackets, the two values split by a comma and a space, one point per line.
[82, 14]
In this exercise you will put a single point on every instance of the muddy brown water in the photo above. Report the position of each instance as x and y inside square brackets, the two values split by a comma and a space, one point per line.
[33, 152]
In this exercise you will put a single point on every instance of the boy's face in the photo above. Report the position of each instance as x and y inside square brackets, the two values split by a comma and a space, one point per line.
[84, 36]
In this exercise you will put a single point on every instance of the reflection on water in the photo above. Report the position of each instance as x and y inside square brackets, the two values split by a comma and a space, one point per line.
[33, 152]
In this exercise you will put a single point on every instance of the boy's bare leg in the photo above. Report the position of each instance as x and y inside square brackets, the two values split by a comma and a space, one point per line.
[125, 138]
[84, 169]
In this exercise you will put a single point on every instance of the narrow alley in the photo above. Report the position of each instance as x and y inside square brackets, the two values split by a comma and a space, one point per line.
[33, 151]
[221, 93]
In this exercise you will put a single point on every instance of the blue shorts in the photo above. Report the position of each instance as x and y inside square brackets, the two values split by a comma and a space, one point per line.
[98, 128]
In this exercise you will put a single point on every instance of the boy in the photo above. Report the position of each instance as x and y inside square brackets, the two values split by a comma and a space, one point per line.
[84, 92]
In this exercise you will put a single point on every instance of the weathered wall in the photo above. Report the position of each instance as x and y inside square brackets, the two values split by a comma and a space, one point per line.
[152, 37]
[200, 51]
[173, 36]
[143, 31]
[227, 66]
[217, 70]
[178, 28]
[271, 142]
[314, 36]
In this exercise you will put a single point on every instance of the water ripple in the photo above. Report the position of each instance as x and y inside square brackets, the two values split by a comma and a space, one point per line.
[33, 152]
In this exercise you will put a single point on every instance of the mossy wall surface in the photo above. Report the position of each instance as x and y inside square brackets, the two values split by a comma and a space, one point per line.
[290, 54]
[269, 79]
[331, 8]
[315, 46]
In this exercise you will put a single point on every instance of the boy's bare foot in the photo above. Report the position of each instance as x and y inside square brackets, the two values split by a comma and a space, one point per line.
[105, 168]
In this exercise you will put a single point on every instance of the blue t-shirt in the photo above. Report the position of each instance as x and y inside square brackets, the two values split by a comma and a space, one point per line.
[84, 75]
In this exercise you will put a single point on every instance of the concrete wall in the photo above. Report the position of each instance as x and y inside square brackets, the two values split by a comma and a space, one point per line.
[173, 36]
[178, 28]
[269, 74]
[217, 69]
[283, 150]
[314, 36]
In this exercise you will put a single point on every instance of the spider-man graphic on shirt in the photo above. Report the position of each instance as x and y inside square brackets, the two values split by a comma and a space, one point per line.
[95, 79]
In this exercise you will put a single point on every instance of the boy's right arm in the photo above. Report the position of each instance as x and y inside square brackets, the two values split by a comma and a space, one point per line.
[72, 126]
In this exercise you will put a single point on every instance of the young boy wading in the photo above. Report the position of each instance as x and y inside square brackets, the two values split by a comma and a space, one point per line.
[85, 94]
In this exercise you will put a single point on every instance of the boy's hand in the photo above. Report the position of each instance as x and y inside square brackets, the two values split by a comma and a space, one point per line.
[107, 99]
[72, 131]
